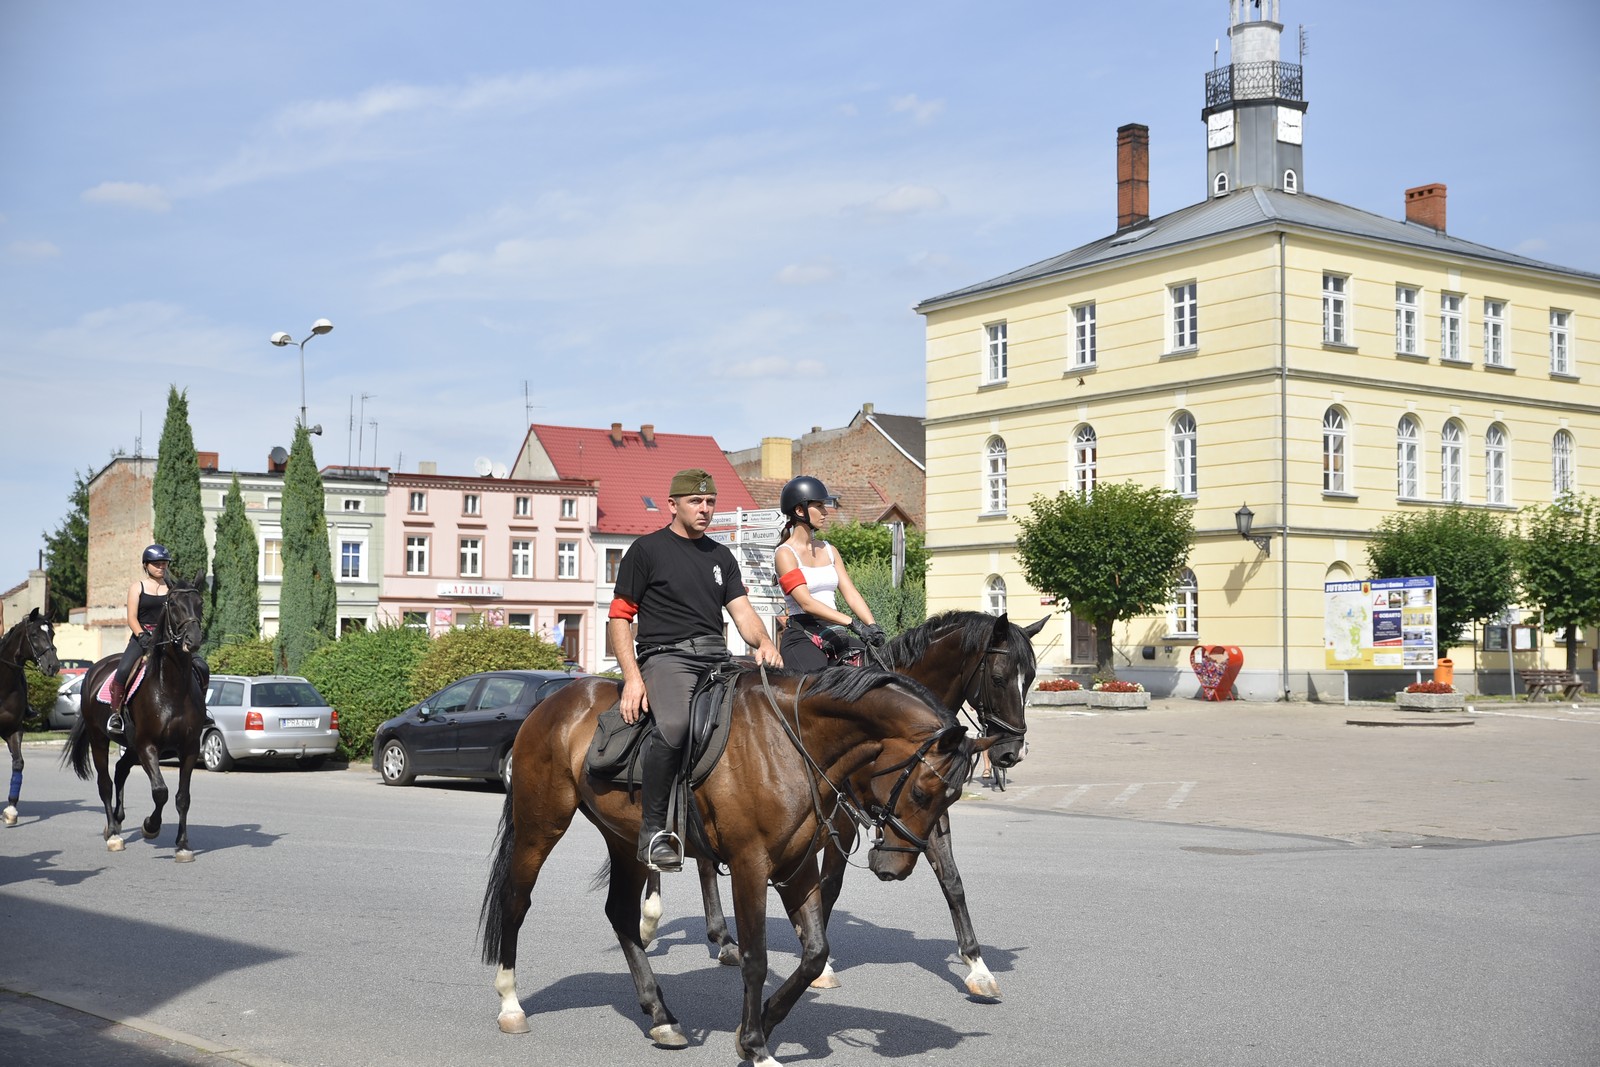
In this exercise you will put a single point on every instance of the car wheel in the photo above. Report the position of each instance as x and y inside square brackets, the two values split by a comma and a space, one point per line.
[505, 770]
[394, 763]
[214, 752]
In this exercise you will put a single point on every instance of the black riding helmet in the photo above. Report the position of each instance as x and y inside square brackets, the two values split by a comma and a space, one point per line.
[798, 492]
[157, 553]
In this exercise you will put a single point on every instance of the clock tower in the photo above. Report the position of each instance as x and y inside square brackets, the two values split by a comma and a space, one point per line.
[1255, 107]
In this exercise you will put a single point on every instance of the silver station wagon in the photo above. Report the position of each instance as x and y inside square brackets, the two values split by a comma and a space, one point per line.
[273, 717]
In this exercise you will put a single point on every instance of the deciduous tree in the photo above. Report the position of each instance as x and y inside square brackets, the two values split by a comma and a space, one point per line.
[1558, 564]
[1468, 550]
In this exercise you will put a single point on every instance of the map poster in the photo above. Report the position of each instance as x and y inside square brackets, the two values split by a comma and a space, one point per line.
[1380, 624]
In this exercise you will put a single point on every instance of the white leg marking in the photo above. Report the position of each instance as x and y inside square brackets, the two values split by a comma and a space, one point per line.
[1181, 794]
[512, 1019]
[10, 814]
[649, 918]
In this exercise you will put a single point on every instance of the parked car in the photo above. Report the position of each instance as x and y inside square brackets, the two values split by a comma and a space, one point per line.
[464, 730]
[64, 715]
[273, 717]
[71, 667]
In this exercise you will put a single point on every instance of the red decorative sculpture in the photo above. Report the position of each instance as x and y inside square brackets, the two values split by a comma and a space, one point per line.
[1216, 666]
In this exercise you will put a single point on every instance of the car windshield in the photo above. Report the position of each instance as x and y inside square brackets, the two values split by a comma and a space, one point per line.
[285, 695]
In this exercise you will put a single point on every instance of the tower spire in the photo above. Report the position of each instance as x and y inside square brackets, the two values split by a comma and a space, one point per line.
[1255, 107]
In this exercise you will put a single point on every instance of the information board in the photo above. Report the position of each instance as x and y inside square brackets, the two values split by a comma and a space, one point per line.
[1381, 624]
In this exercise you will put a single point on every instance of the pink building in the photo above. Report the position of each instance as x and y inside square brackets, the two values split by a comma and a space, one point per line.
[459, 551]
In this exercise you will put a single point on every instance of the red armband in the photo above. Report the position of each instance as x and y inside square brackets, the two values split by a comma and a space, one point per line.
[791, 581]
[623, 608]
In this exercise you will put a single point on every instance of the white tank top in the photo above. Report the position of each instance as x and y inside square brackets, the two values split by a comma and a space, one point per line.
[822, 582]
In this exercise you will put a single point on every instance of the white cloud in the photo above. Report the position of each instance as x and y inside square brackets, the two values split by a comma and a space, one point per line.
[921, 111]
[807, 274]
[907, 200]
[33, 250]
[129, 194]
[771, 367]
[1533, 247]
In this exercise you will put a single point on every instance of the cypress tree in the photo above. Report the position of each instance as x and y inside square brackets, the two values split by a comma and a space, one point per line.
[175, 493]
[306, 612]
[235, 596]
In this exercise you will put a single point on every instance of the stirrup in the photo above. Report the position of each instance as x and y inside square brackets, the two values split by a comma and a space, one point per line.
[114, 723]
[671, 859]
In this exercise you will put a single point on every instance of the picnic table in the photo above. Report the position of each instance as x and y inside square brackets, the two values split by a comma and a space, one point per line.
[1563, 685]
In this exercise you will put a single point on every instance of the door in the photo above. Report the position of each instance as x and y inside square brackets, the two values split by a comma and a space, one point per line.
[1083, 641]
[571, 631]
[432, 740]
[488, 725]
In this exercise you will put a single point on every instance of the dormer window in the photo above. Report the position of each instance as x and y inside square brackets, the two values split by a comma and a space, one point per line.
[1221, 188]
[1291, 182]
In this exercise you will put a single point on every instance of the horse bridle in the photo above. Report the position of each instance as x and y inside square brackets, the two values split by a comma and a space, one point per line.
[26, 640]
[972, 692]
[172, 637]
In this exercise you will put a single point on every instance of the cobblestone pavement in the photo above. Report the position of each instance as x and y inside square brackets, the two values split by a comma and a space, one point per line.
[1503, 772]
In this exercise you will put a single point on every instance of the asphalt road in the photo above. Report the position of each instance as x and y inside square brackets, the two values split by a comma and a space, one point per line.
[330, 920]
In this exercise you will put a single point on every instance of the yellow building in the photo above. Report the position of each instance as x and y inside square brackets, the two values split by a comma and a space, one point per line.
[1320, 364]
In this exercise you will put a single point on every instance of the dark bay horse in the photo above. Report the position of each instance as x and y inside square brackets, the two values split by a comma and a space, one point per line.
[164, 718]
[965, 658]
[801, 748]
[30, 641]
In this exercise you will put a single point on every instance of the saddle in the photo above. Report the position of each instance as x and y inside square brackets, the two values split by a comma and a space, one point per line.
[614, 752]
[110, 694]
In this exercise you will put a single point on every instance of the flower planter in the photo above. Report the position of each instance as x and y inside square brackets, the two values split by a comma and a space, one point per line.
[1100, 699]
[1430, 701]
[1060, 698]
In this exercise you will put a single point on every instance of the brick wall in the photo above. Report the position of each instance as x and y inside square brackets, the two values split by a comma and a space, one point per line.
[859, 455]
[121, 524]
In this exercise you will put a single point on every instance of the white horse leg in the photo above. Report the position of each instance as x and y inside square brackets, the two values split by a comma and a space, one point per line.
[827, 979]
[980, 981]
[650, 916]
[512, 1018]
[10, 815]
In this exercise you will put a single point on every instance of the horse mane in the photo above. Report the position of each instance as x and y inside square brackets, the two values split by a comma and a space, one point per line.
[849, 684]
[977, 631]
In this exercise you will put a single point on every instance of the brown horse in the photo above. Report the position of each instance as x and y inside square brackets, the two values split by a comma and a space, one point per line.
[165, 717]
[30, 641]
[801, 748]
[966, 658]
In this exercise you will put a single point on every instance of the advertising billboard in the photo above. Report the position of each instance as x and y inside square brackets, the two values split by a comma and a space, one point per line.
[1381, 624]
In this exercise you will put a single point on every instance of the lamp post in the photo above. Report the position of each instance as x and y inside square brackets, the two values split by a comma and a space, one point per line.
[281, 339]
[1242, 520]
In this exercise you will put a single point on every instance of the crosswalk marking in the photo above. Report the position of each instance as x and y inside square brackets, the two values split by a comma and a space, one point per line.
[1136, 795]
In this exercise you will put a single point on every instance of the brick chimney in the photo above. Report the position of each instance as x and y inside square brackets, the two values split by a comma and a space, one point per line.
[1133, 175]
[208, 460]
[616, 434]
[1425, 205]
[647, 434]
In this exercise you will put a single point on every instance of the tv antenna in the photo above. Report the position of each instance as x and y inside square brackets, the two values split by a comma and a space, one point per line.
[360, 447]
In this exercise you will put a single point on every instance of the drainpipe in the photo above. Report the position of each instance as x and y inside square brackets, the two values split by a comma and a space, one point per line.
[1283, 461]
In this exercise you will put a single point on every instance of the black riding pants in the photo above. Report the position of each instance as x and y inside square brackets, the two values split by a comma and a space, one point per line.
[669, 679]
[130, 656]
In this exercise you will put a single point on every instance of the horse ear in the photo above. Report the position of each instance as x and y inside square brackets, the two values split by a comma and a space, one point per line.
[1033, 631]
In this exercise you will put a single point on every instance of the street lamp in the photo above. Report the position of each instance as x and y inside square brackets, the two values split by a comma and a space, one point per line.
[281, 339]
[1242, 520]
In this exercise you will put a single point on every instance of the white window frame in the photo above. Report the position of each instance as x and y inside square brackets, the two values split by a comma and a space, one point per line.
[1494, 333]
[1221, 186]
[1335, 452]
[994, 476]
[1085, 460]
[1450, 328]
[469, 557]
[1291, 181]
[1336, 309]
[1085, 342]
[1452, 462]
[471, 504]
[416, 553]
[1562, 479]
[522, 558]
[994, 595]
[352, 503]
[271, 555]
[1183, 617]
[1495, 466]
[613, 564]
[1407, 334]
[1183, 329]
[360, 546]
[1408, 458]
[566, 559]
[569, 507]
[418, 503]
[1185, 455]
[1560, 341]
[523, 507]
[996, 353]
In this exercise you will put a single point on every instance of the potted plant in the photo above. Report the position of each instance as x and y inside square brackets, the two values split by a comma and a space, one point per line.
[1112, 693]
[1058, 693]
[1430, 696]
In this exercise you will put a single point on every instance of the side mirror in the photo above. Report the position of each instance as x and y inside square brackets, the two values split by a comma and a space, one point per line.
[424, 713]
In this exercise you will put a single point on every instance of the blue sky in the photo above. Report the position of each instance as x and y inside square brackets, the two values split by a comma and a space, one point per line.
[710, 217]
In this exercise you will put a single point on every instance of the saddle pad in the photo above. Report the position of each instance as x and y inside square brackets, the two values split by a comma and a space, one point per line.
[107, 693]
[613, 753]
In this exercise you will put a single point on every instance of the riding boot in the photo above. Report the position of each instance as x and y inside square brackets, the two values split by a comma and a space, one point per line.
[659, 847]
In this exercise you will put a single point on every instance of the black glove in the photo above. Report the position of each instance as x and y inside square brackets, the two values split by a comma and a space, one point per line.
[871, 633]
[144, 637]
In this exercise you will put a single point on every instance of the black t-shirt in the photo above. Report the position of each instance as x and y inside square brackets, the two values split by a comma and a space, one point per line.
[680, 584]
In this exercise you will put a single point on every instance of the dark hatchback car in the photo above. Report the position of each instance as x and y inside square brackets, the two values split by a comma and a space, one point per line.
[464, 730]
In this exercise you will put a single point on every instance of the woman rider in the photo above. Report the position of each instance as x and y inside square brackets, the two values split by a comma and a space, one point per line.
[809, 572]
[146, 597]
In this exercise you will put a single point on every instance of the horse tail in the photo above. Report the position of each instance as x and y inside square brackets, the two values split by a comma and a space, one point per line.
[491, 917]
[76, 754]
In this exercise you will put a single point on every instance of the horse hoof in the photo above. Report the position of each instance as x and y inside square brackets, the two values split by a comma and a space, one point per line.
[513, 1022]
[984, 986]
[114, 844]
[183, 855]
[729, 956]
[10, 815]
[826, 980]
[148, 836]
[669, 1035]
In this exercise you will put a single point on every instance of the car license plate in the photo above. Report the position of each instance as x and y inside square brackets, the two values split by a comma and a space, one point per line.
[289, 724]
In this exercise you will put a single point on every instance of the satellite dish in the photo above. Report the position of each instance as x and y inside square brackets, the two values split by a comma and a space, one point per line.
[482, 466]
[279, 455]
[500, 470]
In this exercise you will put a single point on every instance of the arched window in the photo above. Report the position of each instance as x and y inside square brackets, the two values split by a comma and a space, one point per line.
[994, 477]
[1222, 184]
[1452, 463]
[1495, 480]
[1407, 458]
[994, 595]
[1185, 462]
[1291, 182]
[1338, 571]
[1561, 479]
[1184, 619]
[1085, 460]
[1335, 442]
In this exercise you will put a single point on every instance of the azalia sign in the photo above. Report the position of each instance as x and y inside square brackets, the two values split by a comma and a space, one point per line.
[471, 589]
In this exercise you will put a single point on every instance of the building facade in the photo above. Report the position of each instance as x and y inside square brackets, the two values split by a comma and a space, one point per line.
[1264, 347]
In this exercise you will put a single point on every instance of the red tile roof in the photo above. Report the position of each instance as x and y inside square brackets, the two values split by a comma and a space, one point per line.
[633, 470]
[857, 503]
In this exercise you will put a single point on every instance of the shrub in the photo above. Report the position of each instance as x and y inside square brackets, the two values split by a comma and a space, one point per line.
[249, 658]
[1060, 685]
[1116, 686]
[366, 677]
[41, 689]
[896, 610]
[481, 648]
[1430, 687]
